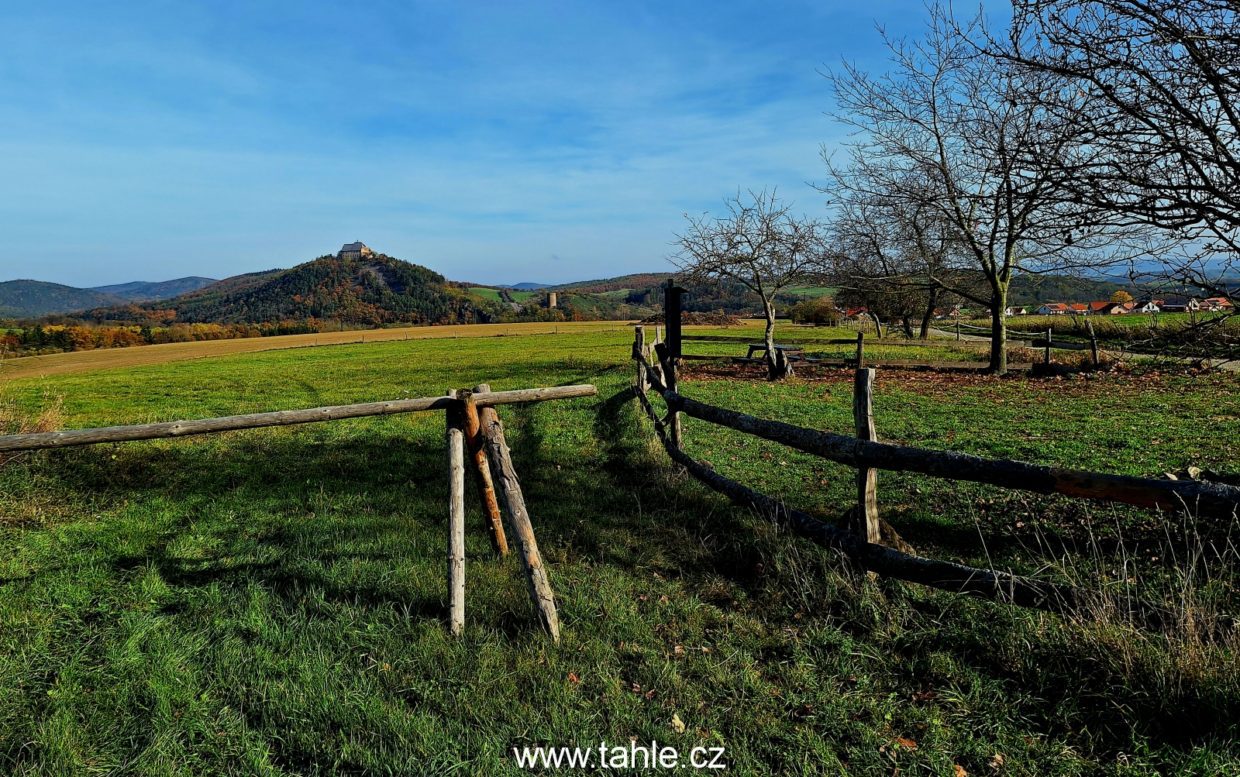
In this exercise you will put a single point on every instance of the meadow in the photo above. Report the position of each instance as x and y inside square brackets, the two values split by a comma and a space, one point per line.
[1199, 334]
[274, 601]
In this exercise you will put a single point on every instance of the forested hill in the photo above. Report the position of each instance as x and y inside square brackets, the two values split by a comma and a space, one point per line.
[144, 291]
[372, 290]
[25, 298]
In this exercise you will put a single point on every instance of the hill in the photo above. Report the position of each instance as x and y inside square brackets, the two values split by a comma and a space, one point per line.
[144, 291]
[640, 281]
[30, 299]
[370, 290]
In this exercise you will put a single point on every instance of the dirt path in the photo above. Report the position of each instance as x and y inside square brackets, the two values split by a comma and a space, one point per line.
[108, 358]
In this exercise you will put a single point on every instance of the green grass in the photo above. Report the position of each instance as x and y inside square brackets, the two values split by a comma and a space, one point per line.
[273, 601]
[1172, 333]
[487, 293]
[810, 291]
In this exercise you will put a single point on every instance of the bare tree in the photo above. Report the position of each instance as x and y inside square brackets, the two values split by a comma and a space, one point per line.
[1154, 87]
[892, 255]
[1161, 105]
[760, 244]
[945, 129]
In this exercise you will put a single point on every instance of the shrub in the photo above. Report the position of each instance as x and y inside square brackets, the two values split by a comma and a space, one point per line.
[819, 311]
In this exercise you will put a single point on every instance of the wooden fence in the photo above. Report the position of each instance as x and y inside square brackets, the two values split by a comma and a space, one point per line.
[472, 424]
[860, 539]
[1044, 340]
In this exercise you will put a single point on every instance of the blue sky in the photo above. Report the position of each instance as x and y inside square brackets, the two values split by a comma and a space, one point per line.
[494, 142]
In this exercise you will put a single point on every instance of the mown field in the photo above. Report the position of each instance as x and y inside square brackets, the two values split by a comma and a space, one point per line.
[274, 602]
[488, 293]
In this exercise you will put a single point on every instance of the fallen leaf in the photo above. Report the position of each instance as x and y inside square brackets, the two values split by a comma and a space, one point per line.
[678, 725]
[573, 678]
[959, 771]
[906, 743]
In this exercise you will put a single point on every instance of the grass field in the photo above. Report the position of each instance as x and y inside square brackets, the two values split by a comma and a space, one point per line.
[273, 601]
[486, 292]
[139, 356]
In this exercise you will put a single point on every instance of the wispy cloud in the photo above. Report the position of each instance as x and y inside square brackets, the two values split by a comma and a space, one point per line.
[492, 141]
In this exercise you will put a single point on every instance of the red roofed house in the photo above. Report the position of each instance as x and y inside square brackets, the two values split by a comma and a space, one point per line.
[1052, 309]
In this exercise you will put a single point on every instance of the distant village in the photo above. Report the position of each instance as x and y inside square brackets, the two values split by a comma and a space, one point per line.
[1168, 304]
[1099, 308]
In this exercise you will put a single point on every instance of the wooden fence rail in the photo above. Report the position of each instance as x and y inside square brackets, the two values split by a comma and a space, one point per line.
[1203, 498]
[39, 440]
[860, 539]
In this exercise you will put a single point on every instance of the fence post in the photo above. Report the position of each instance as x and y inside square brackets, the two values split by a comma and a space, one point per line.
[519, 519]
[1093, 342]
[1049, 334]
[866, 515]
[671, 317]
[456, 517]
[639, 353]
[957, 326]
[670, 352]
[860, 350]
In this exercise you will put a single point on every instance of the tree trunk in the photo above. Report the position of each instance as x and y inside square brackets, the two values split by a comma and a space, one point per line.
[878, 324]
[907, 325]
[998, 332]
[777, 365]
[928, 316]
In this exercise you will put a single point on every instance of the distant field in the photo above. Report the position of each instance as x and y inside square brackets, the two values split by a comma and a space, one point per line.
[809, 291]
[1132, 320]
[487, 292]
[109, 358]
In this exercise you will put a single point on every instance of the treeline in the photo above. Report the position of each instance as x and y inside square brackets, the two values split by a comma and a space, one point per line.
[57, 338]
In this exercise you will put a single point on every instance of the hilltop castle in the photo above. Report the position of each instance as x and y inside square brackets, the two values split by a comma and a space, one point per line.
[355, 250]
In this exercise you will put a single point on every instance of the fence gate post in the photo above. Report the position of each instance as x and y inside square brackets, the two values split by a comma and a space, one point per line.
[1049, 333]
[1093, 342]
[456, 517]
[866, 514]
[860, 350]
[670, 353]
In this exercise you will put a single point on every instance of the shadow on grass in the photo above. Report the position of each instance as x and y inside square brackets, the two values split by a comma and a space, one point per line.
[281, 510]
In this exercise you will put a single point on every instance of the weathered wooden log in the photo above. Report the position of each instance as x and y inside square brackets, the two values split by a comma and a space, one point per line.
[933, 573]
[860, 350]
[639, 350]
[482, 469]
[455, 422]
[866, 524]
[519, 517]
[39, 440]
[1202, 498]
